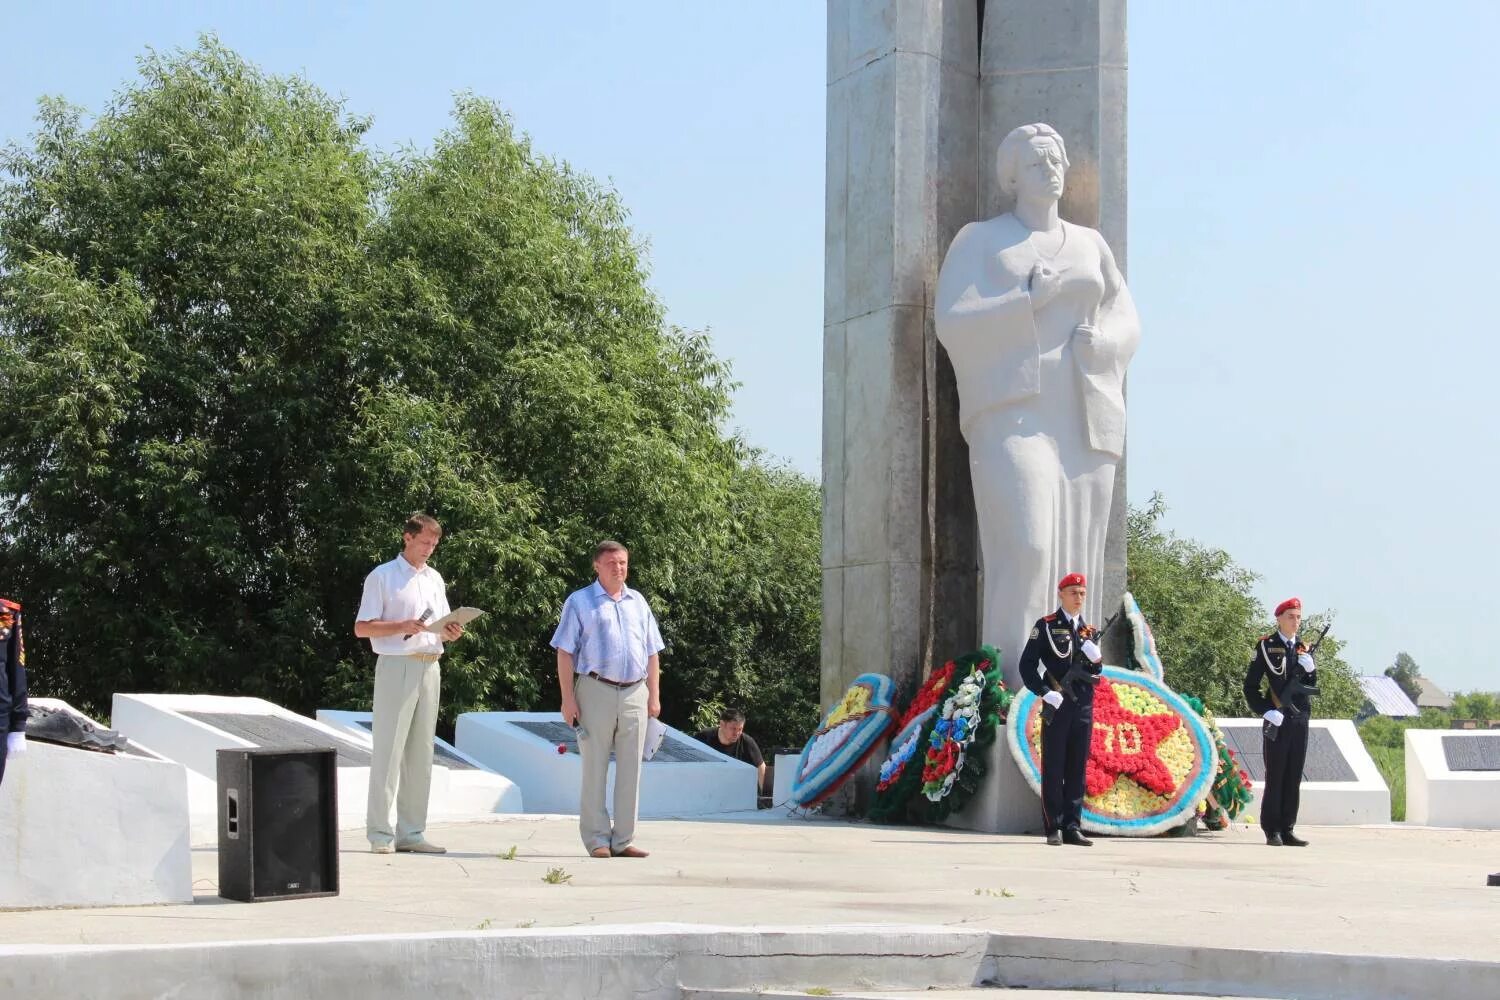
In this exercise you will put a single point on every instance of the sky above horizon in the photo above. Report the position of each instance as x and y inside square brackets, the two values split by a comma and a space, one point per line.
[1311, 207]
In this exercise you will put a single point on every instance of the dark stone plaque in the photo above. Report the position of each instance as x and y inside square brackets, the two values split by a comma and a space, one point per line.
[672, 748]
[1472, 753]
[1325, 761]
[441, 755]
[275, 733]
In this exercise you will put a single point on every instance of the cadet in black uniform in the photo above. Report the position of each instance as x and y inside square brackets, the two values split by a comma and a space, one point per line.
[12, 683]
[1056, 642]
[1278, 658]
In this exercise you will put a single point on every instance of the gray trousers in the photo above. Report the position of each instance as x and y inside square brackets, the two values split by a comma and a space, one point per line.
[609, 719]
[406, 711]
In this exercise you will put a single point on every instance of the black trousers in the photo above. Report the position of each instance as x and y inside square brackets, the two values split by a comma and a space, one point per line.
[1285, 757]
[1065, 754]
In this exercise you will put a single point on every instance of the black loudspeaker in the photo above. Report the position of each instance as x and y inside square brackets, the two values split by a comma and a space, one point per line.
[278, 824]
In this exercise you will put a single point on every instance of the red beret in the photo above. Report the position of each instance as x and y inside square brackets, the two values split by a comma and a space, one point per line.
[1071, 580]
[1288, 604]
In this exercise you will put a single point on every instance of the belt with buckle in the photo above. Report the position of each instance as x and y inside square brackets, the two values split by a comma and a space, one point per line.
[424, 657]
[618, 684]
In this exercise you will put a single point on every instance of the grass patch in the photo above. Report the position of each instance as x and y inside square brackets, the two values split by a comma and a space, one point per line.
[557, 876]
[1392, 764]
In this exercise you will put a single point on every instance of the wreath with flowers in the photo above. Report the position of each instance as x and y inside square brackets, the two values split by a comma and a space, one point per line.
[851, 731]
[898, 781]
[1144, 655]
[1232, 786]
[963, 728]
[1151, 759]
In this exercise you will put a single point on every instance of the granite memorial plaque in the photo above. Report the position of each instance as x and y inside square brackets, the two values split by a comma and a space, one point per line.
[276, 733]
[1325, 761]
[672, 749]
[1472, 753]
[440, 754]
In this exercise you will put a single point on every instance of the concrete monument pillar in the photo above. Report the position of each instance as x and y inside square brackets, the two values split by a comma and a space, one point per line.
[920, 92]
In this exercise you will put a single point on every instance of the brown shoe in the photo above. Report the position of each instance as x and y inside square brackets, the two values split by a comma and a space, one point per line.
[632, 852]
[599, 852]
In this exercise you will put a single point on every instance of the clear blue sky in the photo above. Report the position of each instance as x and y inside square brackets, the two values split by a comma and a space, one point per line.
[1311, 189]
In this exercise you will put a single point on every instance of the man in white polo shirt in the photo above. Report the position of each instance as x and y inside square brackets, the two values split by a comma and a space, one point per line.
[400, 597]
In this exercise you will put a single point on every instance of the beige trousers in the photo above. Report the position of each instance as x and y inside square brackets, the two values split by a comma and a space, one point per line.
[609, 718]
[406, 711]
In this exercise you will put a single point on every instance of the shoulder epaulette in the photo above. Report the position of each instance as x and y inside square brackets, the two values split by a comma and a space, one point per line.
[1265, 638]
[9, 605]
[1051, 617]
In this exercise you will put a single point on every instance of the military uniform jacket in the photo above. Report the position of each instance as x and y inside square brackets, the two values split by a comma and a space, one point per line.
[13, 670]
[1274, 662]
[1054, 645]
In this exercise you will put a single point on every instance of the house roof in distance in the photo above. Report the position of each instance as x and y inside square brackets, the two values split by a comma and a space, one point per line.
[1432, 696]
[1387, 697]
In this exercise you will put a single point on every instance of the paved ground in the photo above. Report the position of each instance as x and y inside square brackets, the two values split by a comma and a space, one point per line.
[1387, 890]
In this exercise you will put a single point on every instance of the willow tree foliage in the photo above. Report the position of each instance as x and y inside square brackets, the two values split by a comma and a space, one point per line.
[237, 346]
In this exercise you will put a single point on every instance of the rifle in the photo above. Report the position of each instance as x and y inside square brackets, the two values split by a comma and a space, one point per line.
[1286, 702]
[1076, 673]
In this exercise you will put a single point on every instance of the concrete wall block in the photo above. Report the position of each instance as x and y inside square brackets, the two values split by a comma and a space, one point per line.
[869, 433]
[831, 657]
[868, 634]
[836, 202]
[1059, 34]
[834, 401]
[870, 184]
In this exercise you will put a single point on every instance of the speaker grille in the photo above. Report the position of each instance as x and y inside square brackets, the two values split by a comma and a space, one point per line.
[291, 827]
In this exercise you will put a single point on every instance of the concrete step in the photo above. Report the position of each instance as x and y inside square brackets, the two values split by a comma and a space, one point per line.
[983, 993]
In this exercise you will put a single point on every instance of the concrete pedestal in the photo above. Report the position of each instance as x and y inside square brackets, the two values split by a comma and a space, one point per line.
[79, 828]
[1359, 797]
[685, 778]
[1438, 794]
[462, 787]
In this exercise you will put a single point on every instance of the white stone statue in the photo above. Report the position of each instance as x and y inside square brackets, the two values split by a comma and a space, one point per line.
[1039, 325]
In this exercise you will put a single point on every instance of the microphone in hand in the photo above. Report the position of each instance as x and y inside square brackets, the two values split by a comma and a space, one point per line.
[423, 619]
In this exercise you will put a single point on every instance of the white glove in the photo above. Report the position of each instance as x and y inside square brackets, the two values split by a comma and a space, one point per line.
[15, 744]
[1274, 717]
[1305, 660]
[1053, 698]
[1091, 650]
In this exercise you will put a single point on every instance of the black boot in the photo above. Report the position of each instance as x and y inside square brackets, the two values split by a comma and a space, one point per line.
[1273, 840]
[1290, 840]
[1054, 839]
[1075, 836]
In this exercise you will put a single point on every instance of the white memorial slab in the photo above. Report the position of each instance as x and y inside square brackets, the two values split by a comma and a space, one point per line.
[684, 778]
[1453, 778]
[462, 787]
[1341, 786]
[81, 828]
[191, 729]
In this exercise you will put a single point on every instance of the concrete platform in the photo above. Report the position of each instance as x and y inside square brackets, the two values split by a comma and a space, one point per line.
[1363, 913]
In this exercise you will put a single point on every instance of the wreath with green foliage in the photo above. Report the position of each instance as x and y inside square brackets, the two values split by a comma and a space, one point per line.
[1231, 790]
[963, 729]
[901, 772]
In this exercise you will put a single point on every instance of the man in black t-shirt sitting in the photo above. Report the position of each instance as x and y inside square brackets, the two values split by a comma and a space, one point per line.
[730, 740]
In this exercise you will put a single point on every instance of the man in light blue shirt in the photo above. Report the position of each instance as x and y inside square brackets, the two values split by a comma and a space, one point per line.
[609, 670]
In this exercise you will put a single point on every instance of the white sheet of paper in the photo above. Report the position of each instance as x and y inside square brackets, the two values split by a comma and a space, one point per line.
[656, 734]
[462, 616]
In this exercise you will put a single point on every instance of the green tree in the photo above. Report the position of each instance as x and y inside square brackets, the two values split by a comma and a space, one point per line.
[1405, 673]
[237, 347]
[1481, 705]
[1206, 619]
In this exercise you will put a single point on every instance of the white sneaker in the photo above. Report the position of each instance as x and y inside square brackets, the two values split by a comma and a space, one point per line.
[421, 847]
[382, 849]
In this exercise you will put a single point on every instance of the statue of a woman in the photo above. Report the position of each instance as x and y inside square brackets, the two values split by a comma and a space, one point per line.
[1039, 326]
